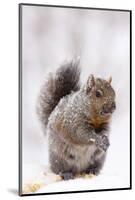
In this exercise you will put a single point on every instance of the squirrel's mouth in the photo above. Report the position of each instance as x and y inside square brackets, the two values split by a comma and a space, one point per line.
[105, 114]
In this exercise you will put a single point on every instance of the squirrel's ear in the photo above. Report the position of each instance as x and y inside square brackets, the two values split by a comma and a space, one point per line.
[109, 80]
[90, 83]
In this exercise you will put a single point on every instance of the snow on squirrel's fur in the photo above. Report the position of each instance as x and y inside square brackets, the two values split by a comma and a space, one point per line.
[77, 119]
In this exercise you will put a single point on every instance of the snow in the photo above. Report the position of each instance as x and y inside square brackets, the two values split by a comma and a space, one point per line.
[115, 173]
[102, 41]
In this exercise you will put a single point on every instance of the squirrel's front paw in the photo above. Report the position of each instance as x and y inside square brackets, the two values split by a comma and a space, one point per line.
[103, 142]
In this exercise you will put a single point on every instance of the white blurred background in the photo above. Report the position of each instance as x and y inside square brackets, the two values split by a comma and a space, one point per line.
[101, 39]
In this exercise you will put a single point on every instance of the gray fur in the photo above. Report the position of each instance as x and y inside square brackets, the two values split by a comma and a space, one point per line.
[63, 82]
[76, 143]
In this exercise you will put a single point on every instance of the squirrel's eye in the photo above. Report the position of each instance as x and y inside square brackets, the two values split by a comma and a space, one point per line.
[98, 93]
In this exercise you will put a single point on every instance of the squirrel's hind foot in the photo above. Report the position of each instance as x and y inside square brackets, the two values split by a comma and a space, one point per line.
[66, 175]
[95, 170]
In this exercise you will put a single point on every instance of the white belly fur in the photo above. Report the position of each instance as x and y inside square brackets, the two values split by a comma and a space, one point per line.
[83, 156]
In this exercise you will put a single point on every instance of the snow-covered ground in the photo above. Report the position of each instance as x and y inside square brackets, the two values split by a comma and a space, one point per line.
[101, 38]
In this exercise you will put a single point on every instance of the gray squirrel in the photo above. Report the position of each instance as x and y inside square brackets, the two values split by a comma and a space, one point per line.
[76, 118]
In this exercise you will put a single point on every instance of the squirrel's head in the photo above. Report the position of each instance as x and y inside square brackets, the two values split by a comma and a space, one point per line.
[101, 96]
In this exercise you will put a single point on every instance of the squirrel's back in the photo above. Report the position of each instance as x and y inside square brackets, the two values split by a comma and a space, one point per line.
[59, 84]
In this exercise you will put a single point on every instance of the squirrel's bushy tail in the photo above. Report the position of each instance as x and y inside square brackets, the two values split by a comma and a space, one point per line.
[61, 83]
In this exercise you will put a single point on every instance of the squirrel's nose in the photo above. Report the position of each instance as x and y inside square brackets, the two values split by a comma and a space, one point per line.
[113, 105]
